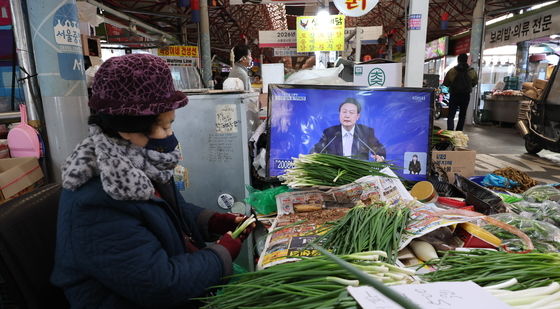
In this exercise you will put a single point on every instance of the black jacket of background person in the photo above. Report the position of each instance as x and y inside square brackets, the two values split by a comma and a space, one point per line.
[362, 135]
[414, 167]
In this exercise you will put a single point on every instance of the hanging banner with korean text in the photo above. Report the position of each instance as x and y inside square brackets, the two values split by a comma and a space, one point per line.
[355, 8]
[535, 25]
[320, 33]
[5, 13]
[179, 55]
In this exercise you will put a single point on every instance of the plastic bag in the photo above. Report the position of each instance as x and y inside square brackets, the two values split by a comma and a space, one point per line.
[483, 200]
[264, 201]
[318, 77]
[492, 180]
[510, 198]
[547, 211]
[542, 193]
[545, 236]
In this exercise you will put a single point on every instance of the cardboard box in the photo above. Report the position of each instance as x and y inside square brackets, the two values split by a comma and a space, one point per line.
[459, 161]
[539, 83]
[378, 75]
[18, 174]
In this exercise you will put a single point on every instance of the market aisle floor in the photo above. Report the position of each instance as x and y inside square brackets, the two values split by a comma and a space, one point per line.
[501, 146]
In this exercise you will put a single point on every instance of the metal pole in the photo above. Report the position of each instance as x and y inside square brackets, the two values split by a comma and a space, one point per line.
[477, 42]
[522, 60]
[27, 63]
[60, 73]
[358, 38]
[205, 43]
[131, 19]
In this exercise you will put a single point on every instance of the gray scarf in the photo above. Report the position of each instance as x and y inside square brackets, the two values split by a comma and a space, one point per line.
[124, 168]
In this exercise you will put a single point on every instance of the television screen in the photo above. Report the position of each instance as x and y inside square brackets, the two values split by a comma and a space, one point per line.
[373, 124]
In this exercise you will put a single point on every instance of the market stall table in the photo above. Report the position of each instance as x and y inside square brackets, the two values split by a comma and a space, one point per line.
[503, 108]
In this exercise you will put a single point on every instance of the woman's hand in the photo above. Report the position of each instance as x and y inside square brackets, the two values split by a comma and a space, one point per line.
[221, 223]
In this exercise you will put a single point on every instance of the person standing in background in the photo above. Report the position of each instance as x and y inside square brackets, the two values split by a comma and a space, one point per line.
[242, 61]
[460, 80]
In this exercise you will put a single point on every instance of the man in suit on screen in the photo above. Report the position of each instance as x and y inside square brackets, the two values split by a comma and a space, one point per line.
[350, 139]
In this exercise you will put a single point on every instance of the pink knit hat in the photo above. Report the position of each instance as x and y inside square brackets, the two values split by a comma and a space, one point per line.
[135, 85]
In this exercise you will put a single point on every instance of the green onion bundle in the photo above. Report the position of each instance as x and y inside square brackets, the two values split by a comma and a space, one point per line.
[457, 138]
[487, 267]
[365, 228]
[320, 169]
[316, 282]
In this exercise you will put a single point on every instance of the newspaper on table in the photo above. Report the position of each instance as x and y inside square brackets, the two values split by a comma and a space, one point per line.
[370, 188]
[288, 244]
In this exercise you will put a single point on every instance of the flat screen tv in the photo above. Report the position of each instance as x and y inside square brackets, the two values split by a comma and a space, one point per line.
[393, 124]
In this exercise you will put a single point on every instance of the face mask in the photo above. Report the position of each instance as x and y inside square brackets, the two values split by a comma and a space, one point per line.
[165, 145]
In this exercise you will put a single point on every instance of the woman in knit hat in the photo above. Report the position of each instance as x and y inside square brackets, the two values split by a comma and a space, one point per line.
[126, 238]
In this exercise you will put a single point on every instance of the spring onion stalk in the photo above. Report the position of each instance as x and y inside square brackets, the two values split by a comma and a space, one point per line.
[502, 285]
[344, 281]
[243, 226]
[311, 283]
[320, 169]
[529, 298]
[486, 267]
[367, 279]
[368, 227]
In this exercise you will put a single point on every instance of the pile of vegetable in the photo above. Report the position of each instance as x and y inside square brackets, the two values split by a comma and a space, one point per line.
[320, 169]
[486, 267]
[317, 282]
[541, 297]
[547, 211]
[545, 236]
[367, 227]
[525, 181]
[457, 138]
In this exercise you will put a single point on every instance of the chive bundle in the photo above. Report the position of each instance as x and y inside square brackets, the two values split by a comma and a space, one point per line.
[368, 227]
[321, 169]
[316, 282]
[487, 267]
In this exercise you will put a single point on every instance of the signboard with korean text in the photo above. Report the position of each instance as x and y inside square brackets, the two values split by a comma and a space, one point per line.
[536, 25]
[179, 55]
[320, 33]
[436, 48]
[378, 75]
[355, 8]
[281, 38]
[414, 21]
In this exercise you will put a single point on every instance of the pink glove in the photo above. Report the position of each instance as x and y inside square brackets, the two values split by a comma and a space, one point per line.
[221, 223]
[232, 245]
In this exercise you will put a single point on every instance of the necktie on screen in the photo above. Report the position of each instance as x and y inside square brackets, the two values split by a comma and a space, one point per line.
[347, 144]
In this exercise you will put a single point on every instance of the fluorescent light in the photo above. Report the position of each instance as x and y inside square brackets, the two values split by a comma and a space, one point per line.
[323, 13]
[554, 36]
